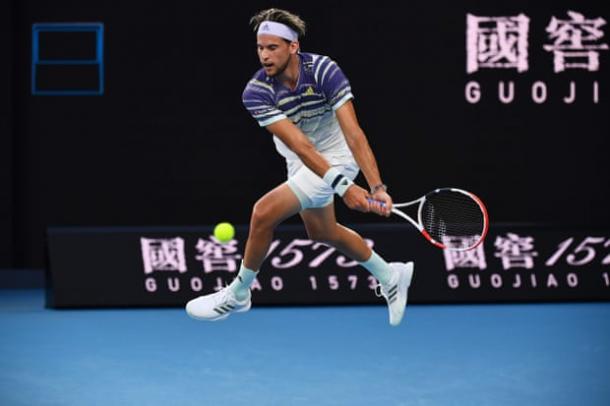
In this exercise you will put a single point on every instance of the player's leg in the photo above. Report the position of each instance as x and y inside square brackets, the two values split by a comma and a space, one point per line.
[394, 279]
[268, 212]
[322, 226]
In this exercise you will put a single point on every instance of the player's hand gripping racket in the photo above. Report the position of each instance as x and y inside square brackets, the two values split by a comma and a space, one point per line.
[449, 218]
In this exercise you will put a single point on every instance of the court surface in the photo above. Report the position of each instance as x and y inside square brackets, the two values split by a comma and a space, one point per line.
[542, 354]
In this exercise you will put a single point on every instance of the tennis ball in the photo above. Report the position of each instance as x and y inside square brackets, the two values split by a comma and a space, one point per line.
[224, 232]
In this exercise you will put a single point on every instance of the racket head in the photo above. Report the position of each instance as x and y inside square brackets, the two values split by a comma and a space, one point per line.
[453, 219]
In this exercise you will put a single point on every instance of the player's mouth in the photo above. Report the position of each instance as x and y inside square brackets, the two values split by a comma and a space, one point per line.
[267, 66]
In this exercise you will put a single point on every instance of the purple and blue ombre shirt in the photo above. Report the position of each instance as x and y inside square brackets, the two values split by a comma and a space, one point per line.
[321, 89]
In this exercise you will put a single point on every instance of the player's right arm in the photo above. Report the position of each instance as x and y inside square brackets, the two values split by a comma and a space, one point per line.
[355, 197]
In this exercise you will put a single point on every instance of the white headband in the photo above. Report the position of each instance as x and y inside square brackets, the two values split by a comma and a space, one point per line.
[278, 29]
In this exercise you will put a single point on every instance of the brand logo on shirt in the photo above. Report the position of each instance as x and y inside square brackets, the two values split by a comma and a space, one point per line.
[309, 91]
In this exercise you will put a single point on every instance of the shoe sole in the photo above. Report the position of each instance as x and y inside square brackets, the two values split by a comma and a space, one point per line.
[222, 316]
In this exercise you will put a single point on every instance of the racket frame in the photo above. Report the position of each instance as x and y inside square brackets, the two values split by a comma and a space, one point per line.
[419, 223]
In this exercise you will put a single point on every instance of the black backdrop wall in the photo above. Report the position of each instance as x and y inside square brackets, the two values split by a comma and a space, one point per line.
[169, 142]
[5, 136]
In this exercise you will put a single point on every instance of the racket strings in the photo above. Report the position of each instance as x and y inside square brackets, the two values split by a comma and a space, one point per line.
[453, 218]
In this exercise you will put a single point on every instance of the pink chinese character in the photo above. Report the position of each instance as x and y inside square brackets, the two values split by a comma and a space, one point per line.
[497, 42]
[163, 254]
[216, 256]
[515, 251]
[573, 46]
[474, 258]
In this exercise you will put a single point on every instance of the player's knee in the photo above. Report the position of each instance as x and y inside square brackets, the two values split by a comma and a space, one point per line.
[262, 216]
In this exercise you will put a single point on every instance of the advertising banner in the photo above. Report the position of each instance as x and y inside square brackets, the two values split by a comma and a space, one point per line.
[169, 266]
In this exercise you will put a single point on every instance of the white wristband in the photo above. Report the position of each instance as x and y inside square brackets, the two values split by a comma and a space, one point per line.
[336, 180]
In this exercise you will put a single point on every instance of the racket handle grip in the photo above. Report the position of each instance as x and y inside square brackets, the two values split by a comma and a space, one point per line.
[374, 201]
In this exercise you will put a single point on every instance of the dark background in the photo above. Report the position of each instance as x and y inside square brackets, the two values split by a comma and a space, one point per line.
[6, 135]
[169, 142]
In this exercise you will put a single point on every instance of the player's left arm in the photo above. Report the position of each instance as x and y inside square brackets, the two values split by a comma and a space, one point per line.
[359, 145]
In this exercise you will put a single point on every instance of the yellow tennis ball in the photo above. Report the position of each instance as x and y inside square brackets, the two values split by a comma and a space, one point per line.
[224, 232]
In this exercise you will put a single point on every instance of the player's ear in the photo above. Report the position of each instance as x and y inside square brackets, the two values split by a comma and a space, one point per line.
[294, 47]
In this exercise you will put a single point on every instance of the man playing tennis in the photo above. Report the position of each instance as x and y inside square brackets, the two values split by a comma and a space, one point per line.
[305, 101]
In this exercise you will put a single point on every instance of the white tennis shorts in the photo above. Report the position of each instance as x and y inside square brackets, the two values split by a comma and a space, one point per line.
[310, 189]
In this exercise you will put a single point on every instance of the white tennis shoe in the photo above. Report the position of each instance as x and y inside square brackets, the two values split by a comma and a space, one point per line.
[217, 306]
[395, 293]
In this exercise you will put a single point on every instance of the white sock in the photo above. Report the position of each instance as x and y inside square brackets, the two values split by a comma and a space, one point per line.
[241, 284]
[379, 268]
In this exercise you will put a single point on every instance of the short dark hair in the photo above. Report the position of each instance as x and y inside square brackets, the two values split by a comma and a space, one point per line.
[279, 16]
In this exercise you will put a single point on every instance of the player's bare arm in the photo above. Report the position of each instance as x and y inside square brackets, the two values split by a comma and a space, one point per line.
[363, 154]
[355, 197]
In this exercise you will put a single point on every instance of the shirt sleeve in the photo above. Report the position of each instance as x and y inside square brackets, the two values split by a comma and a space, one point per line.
[333, 82]
[258, 100]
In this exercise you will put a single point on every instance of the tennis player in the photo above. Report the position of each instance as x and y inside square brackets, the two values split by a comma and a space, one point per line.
[305, 101]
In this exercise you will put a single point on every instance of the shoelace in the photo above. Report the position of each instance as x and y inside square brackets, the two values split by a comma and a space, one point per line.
[224, 296]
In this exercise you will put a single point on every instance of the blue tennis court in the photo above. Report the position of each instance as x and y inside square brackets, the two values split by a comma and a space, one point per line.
[538, 354]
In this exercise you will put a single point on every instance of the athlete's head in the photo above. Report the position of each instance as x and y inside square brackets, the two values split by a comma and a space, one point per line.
[277, 38]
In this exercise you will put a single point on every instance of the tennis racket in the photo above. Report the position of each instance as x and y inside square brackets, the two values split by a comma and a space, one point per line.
[449, 218]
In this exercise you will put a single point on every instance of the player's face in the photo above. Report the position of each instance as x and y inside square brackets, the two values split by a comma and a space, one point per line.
[273, 53]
